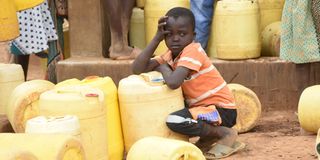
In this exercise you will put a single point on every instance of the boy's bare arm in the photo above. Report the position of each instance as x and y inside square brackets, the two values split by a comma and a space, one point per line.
[173, 79]
[144, 63]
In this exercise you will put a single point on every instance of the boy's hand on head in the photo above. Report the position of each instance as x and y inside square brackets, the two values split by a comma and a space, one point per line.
[161, 28]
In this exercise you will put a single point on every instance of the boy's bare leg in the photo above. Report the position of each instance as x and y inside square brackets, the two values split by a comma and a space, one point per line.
[216, 134]
[120, 9]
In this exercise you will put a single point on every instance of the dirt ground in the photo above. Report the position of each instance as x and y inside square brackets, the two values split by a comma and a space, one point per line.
[276, 136]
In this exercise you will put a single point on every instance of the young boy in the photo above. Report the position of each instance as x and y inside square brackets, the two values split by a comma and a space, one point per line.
[210, 109]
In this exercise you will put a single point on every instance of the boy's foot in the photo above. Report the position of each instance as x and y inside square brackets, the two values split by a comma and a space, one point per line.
[205, 144]
[222, 151]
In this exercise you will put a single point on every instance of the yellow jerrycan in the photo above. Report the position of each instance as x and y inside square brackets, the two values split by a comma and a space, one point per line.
[114, 131]
[11, 75]
[270, 11]
[271, 39]
[308, 109]
[68, 82]
[248, 107]
[105, 84]
[159, 148]
[44, 146]
[23, 102]
[68, 124]
[9, 26]
[235, 33]
[16, 154]
[153, 10]
[87, 104]
[137, 31]
[145, 102]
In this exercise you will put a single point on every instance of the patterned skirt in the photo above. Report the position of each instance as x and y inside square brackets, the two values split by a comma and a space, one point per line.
[299, 43]
[315, 9]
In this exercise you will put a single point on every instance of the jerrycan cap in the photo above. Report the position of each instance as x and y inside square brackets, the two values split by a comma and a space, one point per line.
[153, 78]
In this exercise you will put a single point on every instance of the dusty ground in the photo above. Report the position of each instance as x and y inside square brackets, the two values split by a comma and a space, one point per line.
[276, 136]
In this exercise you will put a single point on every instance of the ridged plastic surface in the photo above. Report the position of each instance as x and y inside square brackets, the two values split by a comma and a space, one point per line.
[248, 107]
[235, 33]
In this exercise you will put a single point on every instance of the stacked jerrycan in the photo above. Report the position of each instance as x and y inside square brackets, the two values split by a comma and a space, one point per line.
[87, 104]
[145, 102]
[308, 109]
[11, 75]
[43, 146]
[165, 149]
[270, 11]
[114, 131]
[270, 26]
[271, 39]
[153, 10]
[114, 135]
[137, 31]
[235, 33]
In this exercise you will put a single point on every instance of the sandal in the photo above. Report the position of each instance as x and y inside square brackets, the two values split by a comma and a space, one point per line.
[222, 151]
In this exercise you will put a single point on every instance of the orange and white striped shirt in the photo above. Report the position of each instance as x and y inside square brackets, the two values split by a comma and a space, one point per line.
[204, 86]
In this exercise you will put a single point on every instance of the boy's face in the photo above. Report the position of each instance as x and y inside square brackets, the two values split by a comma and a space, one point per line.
[181, 34]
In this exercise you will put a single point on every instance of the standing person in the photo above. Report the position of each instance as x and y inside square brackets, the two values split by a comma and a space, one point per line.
[203, 10]
[119, 14]
[36, 31]
[210, 110]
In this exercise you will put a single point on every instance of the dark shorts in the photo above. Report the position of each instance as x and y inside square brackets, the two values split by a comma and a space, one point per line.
[181, 121]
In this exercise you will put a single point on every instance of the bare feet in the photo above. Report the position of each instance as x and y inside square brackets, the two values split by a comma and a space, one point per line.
[124, 54]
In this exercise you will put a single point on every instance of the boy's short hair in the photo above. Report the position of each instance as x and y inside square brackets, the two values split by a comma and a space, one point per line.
[182, 12]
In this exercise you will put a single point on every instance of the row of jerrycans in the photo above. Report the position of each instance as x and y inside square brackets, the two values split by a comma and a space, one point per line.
[145, 101]
[236, 29]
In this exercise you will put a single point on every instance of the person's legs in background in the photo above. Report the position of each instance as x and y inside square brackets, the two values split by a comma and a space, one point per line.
[203, 10]
[119, 29]
[23, 60]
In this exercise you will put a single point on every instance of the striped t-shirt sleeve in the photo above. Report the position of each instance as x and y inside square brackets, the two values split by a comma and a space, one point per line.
[191, 59]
